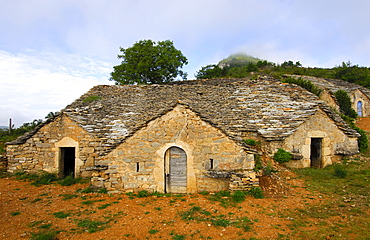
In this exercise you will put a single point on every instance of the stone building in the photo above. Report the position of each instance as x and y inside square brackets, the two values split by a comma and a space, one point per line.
[183, 137]
[360, 96]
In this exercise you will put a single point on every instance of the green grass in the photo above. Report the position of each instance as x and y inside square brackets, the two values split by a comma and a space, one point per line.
[198, 214]
[92, 226]
[68, 196]
[15, 213]
[153, 231]
[61, 214]
[104, 206]
[345, 191]
[44, 235]
[230, 199]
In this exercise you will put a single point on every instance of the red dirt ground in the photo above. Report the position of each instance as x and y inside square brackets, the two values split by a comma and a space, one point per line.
[363, 123]
[136, 217]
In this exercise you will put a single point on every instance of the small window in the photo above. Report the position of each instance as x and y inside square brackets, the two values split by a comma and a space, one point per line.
[137, 167]
[211, 164]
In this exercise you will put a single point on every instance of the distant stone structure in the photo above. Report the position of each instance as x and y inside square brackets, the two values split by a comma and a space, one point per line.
[360, 96]
[183, 137]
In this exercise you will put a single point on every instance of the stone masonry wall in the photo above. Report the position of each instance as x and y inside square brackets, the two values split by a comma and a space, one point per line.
[138, 163]
[357, 96]
[3, 163]
[334, 141]
[41, 151]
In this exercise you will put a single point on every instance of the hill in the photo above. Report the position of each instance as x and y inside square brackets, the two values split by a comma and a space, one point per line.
[237, 60]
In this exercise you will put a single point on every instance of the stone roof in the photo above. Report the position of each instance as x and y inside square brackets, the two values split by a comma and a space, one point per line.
[235, 106]
[334, 85]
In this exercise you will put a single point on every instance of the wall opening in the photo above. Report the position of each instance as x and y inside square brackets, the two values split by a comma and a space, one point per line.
[67, 161]
[175, 170]
[316, 152]
[359, 109]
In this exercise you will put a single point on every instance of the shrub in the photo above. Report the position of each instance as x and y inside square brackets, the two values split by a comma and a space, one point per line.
[282, 156]
[69, 180]
[256, 192]
[251, 142]
[143, 193]
[239, 196]
[44, 179]
[257, 163]
[306, 84]
[344, 102]
[363, 141]
[268, 169]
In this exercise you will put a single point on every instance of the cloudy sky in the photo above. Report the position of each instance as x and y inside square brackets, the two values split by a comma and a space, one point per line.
[53, 51]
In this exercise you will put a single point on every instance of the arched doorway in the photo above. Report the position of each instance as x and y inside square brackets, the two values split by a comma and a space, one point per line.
[359, 108]
[175, 170]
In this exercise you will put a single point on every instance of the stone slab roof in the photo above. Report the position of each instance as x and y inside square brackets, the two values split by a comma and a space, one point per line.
[273, 109]
[334, 85]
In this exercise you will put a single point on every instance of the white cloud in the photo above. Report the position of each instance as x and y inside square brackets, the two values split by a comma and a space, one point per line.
[36, 83]
[315, 32]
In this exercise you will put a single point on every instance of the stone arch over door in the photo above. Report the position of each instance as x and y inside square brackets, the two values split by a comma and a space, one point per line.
[175, 170]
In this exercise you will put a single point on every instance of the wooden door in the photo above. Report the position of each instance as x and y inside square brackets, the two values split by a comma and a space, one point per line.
[175, 170]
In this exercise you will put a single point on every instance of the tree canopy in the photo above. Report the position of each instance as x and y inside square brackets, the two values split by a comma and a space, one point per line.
[148, 62]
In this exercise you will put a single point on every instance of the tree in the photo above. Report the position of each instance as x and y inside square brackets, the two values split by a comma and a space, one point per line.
[210, 71]
[345, 105]
[148, 62]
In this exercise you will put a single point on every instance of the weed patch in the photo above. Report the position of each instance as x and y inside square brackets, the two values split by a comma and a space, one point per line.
[92, 226]
[198, 214]
[44, 235]
[61, 214]
[15, 213]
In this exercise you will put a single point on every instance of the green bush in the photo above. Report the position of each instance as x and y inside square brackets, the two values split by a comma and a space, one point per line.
[268, 169]
[256, 192]
[306, 84]
[44, 178]
[239, 196]
[257, 163]
[143, 193]
[363, 141]
[70, 180]
[282, 156]
[345, 105]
